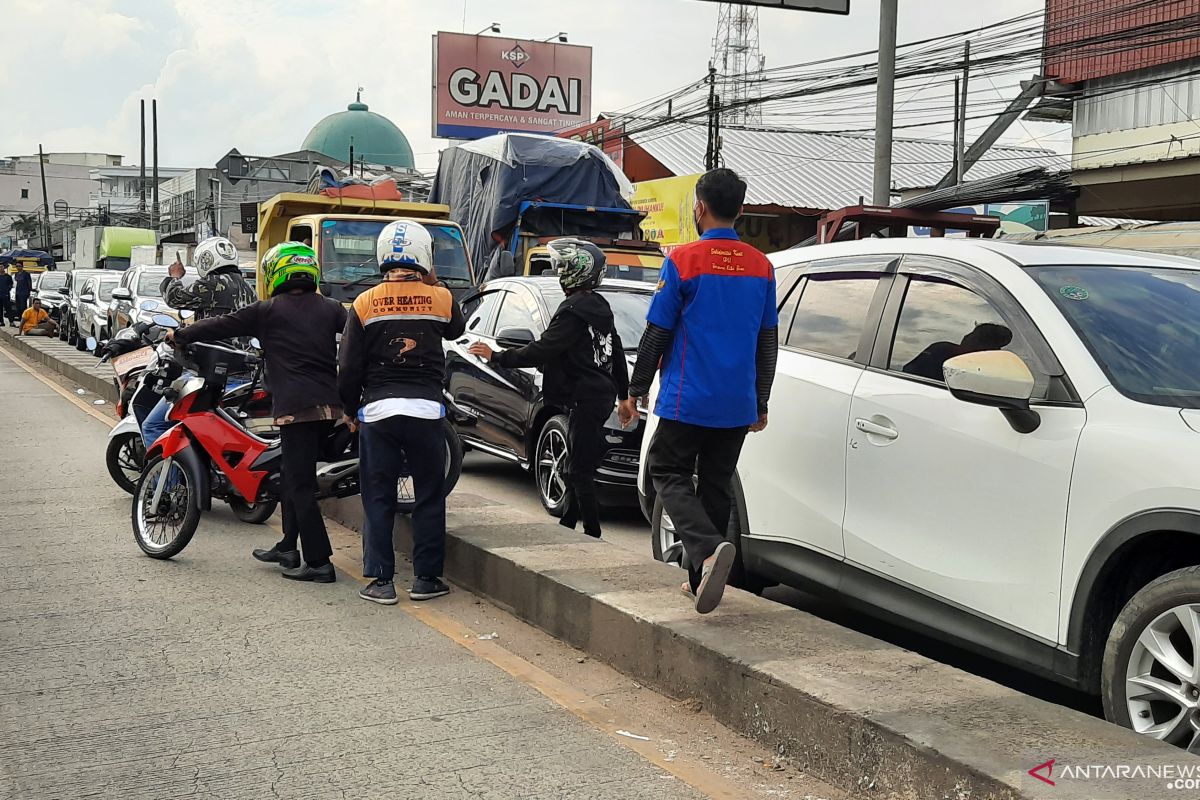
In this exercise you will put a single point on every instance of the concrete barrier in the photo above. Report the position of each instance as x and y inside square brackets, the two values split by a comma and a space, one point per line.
[861, 714]
[80, 367]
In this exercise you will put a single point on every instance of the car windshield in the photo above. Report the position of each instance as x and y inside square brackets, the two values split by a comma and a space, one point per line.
[104, 289]
[347, 252]
[629, 312]
[1142, 324]
[52, 280]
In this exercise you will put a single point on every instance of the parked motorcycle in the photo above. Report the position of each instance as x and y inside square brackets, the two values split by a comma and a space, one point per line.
[210, 454]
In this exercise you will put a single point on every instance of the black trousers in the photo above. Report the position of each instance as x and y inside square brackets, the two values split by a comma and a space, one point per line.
[301, 448]
[6, 307]
[20, 306]
[385, 449]
[692, 469]
[585, 450]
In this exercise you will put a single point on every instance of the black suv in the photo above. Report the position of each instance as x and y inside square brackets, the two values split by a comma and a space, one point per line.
[501, 411]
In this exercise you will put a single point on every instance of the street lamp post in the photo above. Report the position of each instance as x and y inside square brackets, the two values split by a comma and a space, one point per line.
[885, 95]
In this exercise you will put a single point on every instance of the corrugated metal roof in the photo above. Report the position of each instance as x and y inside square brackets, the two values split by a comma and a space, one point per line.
[812, 169]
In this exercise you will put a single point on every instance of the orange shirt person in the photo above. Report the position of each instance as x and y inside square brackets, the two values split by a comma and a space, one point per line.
[35, 321]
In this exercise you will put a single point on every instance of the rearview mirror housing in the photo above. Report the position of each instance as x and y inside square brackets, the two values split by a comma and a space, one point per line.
[995, 378]
[87, 297]
[514, 337]
[121, 293]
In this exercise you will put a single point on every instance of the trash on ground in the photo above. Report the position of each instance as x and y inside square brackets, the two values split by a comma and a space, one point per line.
[81, 391]
[487, 637]
[97, 402]
[633, 736]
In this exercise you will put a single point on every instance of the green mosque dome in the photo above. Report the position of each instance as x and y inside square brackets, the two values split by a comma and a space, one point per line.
[375, 137]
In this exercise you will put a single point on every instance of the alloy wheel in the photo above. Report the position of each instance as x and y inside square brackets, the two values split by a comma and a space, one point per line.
[668, 541]
[551, 463]
[1162, 680]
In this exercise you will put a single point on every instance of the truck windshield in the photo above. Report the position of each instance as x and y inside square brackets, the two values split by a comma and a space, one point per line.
[1140, 323]
[347, 253]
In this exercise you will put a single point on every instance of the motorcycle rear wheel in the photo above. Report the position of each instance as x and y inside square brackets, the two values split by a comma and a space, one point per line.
[125, 456]
[164, 532]
[253, 513]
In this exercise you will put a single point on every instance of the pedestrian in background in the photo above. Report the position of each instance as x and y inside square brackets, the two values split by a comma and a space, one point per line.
[22, 288]
[35, 321]
[391, 369]
[713, 326]
[6, 302]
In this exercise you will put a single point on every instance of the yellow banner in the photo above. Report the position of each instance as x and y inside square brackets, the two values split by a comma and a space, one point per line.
[668, 204]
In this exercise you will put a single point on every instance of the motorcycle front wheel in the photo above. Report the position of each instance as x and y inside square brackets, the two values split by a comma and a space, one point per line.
[124, 457]
[163, 531]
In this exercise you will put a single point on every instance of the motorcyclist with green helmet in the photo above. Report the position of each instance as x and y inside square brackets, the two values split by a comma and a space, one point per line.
[297, 328]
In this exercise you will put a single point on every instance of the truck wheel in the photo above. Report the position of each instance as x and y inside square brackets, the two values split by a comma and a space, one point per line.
[1149, 679]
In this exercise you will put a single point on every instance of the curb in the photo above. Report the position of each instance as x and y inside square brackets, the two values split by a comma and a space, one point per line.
[869, 717]
[94, 384]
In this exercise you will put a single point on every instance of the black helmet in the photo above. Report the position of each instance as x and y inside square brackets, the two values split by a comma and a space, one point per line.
[579, 264]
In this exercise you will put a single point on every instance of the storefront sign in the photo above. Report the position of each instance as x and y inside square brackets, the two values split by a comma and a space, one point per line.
[669, 204]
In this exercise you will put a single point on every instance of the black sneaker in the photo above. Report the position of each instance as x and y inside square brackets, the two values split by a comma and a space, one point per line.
[288, 559]
[427, 589]
[380, 591]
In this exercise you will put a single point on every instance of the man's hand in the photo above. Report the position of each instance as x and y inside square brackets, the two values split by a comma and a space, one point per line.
[351, 423]
[176, 268]
[627, 411]
[171, 337]
[430, 279]
[482, 350]
[761, 425]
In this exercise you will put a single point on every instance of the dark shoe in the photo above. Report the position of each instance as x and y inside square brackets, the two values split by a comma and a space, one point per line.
[288, 559]
[380, 591]
[325, 574]
[427, 589]
[713, 576]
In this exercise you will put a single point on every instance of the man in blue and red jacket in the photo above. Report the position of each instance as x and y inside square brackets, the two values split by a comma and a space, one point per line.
[713, 327]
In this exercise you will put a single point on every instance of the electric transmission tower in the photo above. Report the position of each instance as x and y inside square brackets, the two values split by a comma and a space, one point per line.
[738, 59]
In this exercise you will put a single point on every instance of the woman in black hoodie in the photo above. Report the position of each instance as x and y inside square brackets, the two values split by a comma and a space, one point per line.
[583, 362]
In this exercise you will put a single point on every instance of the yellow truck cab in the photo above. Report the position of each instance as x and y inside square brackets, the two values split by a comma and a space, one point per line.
[343, 232]
[627, 259]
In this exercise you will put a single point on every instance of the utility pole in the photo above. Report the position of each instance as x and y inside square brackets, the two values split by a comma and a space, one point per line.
[710, 150]
[142, 163]
[154, 129]
[885, 96]
[45, 198]
[959, 145]
[962, 112]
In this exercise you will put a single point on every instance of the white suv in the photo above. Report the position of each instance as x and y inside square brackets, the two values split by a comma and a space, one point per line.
[1048, 517]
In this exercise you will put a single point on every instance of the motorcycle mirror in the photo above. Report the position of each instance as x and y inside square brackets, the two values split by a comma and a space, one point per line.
[255, 343]
[165, 321]
[91, 343]
[148, 305]
[187, 314]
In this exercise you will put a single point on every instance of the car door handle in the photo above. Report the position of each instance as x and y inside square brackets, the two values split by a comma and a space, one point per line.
[874, 429]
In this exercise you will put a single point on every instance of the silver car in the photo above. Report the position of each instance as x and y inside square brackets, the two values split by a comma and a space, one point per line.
[68, 331]
[46, 287]
[91, 316]
[139, 284]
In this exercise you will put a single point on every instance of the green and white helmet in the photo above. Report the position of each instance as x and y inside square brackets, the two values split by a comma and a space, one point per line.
[579, 264]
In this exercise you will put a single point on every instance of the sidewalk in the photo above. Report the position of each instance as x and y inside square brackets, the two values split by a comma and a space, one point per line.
[209, 676]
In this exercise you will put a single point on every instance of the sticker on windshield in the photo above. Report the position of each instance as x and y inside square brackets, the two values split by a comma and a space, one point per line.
[1074, 292]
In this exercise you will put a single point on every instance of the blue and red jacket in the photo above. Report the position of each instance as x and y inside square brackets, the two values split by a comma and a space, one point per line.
[715, 296]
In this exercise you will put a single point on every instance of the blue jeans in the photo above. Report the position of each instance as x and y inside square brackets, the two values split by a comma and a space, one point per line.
[156, 423]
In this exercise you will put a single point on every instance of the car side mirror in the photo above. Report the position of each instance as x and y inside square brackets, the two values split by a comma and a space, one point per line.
[514, 337]
[64, 291]
[995, 378]
[87, 297]
[121, 293]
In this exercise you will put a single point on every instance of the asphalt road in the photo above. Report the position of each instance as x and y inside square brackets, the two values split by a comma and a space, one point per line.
[508, 483]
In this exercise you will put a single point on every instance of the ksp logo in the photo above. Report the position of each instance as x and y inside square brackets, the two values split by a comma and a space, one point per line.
[1047, 768]
[517, 55]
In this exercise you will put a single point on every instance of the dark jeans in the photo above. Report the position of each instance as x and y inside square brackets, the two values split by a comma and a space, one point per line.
[6, 308]
[301, 448]
[20, 306]
[700, 509]
[585, 450]
[385, 448]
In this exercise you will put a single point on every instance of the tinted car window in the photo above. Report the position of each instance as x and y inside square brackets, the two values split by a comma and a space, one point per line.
[940, 320]
[480, 310]
[831, 313]
[629, 312]
[516, 311]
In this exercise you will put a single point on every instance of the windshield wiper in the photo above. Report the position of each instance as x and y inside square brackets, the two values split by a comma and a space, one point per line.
[359, 282]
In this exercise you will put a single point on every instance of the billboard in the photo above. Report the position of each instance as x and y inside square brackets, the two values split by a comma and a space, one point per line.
[825, 6]
[488, 84]
[668, 204]
[1031, 217]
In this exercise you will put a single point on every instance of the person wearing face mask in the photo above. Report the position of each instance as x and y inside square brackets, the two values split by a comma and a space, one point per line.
[713, 328]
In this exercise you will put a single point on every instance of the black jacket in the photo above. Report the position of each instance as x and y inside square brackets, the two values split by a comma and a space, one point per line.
[221, 292]
[23, 282]
[6, 283]
[298, 333]
[580, 353]
[392, 345]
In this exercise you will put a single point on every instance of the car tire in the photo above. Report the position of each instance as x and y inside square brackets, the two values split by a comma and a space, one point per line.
[549, 461]
[667, 548]
[100, 338]
[1169, 608]
[80, 340]
[64, 330]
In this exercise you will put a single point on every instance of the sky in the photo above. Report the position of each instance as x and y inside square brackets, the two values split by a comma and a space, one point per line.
[258, 74]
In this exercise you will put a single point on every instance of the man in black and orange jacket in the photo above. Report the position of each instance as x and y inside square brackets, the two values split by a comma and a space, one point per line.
[391, 369]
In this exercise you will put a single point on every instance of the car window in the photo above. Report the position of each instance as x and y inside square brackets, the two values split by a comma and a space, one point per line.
[629, 311]
[831, 312]
[479, 312]
[517, 311]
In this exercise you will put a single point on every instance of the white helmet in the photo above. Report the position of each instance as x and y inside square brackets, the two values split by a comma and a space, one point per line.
[213, 254]
[405, 245]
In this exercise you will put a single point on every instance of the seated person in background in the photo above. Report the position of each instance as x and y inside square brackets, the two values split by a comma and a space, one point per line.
[35, 321]
[986, 336]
